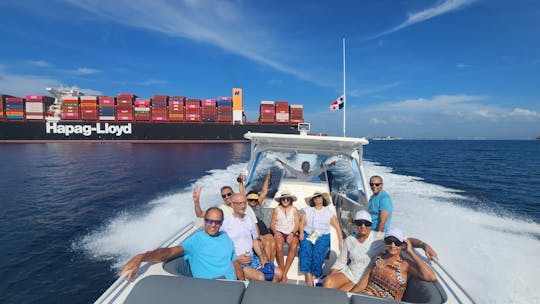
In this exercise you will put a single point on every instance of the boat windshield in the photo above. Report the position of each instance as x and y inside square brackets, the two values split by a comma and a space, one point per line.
[337, 171]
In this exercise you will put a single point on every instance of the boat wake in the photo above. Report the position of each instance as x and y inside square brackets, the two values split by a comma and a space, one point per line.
[494, 257]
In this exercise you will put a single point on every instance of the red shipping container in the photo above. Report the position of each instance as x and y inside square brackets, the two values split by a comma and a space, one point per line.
[193, 117]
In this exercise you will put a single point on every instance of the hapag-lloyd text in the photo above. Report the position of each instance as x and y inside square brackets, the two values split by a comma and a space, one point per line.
[87, 130]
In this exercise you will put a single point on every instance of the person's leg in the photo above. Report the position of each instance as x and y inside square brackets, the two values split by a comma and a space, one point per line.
[319, 254]
[305, 255]
[279, 249]
[278, 275]
[269, 246]
[292, 241]
[253, 274]
[339, 281]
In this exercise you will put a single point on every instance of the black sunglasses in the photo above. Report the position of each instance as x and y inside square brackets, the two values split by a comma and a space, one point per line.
[375, 184]
[226, 194]
[210, 222]
[363, 222]
[390, 240]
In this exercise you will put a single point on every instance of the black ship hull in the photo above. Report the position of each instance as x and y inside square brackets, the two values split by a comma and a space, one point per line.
[144, 132]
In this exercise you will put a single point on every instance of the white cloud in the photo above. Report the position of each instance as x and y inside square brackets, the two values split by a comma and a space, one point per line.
[442, 116]
[462, 66]
[40, 63]
[224, 24]
[153, 81]
[372, 89]
[21, 85]
[377, 121]
[91, 92]
[86, 71]
[429, 13]
[518, 112]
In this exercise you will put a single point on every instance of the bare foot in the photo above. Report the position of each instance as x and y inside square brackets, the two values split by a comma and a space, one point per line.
[284, 279]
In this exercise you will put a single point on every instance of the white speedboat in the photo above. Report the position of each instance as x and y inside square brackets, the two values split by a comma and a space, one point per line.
[170, 281]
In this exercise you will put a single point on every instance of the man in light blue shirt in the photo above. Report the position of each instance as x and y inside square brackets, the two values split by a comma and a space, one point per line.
[379, 205]
[210, 252]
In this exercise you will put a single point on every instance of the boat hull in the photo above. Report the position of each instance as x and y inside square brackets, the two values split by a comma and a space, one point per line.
[64, 131]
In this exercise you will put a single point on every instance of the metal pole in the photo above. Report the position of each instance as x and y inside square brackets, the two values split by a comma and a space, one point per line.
[344, 93]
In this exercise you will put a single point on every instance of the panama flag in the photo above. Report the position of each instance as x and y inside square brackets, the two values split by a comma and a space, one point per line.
[337, 104]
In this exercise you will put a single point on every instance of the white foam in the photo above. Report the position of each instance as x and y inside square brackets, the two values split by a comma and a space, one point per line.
[495, 258]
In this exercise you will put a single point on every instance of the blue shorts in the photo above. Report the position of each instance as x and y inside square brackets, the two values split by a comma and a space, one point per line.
[255, 262]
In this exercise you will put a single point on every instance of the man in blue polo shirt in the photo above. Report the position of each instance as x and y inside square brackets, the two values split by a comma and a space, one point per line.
[379, 205]
[210, 252]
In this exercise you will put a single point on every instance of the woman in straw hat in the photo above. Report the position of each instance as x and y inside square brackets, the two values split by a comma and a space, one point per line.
[388, 274]
[285, 224]
[315, 235]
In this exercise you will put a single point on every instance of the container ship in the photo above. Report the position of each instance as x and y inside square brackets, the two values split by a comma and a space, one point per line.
[71, 116]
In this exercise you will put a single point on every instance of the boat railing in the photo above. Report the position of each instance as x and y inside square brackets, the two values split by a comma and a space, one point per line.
[454, 282]
[122, 281]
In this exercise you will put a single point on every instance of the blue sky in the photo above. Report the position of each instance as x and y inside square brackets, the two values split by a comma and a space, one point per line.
[462, 69]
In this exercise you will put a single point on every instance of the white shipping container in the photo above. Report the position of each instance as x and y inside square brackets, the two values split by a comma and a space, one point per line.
[106, 118]
[282, 116]
[34, 116]
[34, 107]
[267, 102]
[89, 97]
[297, 106]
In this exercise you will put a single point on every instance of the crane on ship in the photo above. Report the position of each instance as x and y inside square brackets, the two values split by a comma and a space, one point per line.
[53, 114]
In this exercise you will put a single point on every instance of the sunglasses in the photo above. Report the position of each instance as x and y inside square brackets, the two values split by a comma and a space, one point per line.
[390, 240]
[226, 194]
[375, 184]
[363, 222]
[286, 199]
[252, 200]
[210, 222]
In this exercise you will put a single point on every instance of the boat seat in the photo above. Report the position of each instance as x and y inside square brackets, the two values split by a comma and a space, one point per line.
[175, 289]
[178, 266]
[365, 299]
[259, 292]
[420, 291]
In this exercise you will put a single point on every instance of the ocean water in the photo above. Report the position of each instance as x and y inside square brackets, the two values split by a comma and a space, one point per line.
[73, 213]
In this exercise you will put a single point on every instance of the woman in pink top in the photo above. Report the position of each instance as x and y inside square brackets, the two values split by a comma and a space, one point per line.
[285, 223]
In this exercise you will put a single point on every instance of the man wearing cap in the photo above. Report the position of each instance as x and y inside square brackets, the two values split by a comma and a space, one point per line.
[379, 205]
[210, 252]
[360, 250]
[242, 230]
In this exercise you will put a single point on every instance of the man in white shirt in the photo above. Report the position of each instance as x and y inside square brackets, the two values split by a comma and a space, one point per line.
[243, 231]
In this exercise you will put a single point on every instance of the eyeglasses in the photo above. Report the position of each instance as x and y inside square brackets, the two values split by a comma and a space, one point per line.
[375, 184]
[390, 240]
[226, 194]
[286, 199]
[363, 222]
[238, 203]
[210, 222]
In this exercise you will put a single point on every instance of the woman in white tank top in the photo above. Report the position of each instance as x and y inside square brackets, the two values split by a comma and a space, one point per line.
[285, 223]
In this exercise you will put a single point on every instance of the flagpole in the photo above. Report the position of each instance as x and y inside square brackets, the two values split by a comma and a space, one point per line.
[344, 92]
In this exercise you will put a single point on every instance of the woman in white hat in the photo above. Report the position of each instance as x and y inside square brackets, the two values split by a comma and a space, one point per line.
[360, 249]
[388, 274]
[315, 235]
[285, 224]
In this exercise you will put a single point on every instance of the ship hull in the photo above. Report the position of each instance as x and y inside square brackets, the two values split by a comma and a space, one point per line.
[131, 132]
